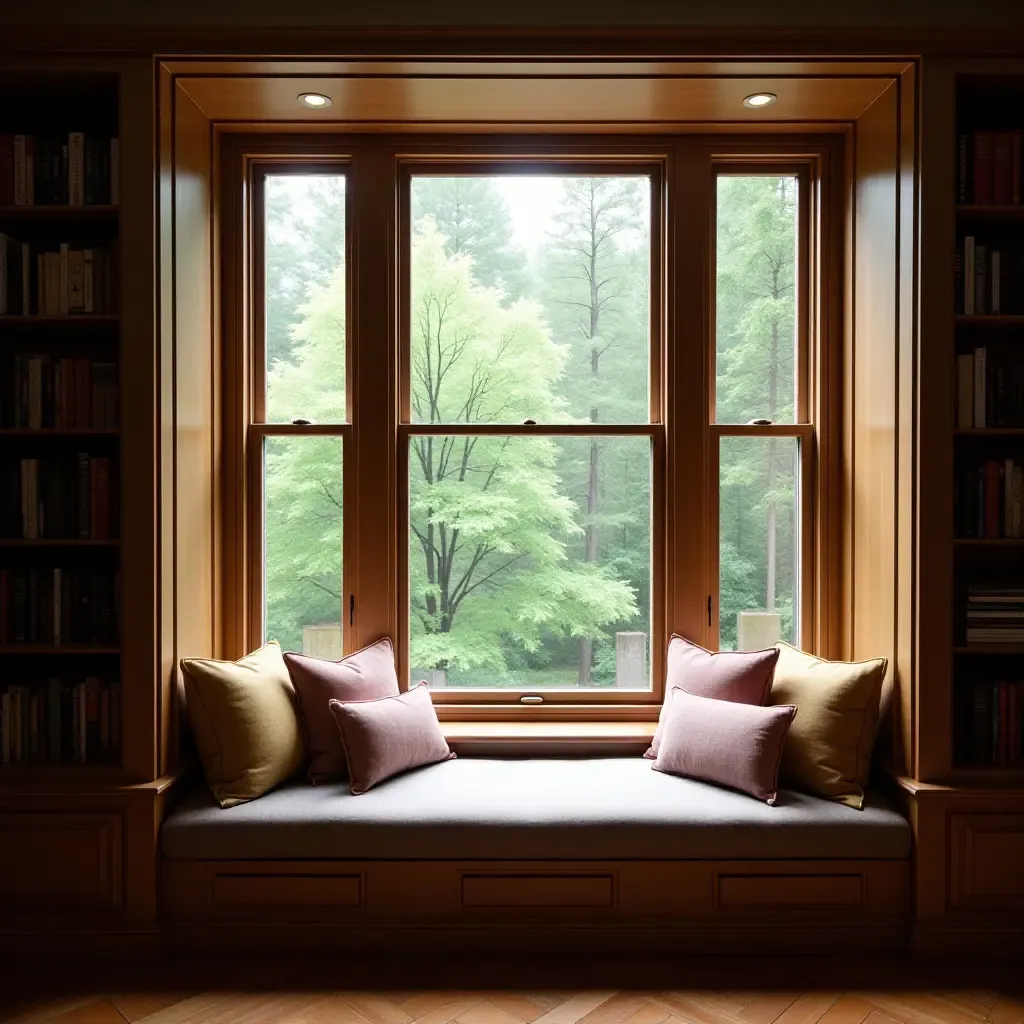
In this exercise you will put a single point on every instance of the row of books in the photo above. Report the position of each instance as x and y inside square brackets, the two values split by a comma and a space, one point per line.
[990, 167]
[57, 498]
[995, 613]
[58, 606]
[61, 721]
[38, 392]
[55, 280]
[989, 388]
[987, 280]
[988, 500]
[989, 722]
[66, 169]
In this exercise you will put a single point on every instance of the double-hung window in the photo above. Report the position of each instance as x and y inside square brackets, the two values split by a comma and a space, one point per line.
[526, 408]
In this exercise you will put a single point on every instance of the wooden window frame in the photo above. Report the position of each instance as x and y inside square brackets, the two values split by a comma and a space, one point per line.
[684, 517]
[811, 337]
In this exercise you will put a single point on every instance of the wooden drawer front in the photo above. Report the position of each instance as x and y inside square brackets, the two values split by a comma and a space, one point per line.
[987, 862]
[790, 890]
[239, 891]
[68, 861]
[537, 891]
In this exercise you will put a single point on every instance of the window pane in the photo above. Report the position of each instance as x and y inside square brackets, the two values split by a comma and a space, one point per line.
[530, 561]
[305, 297]
[530, 299]
[759, 542]
[756, 323]
[302, 544]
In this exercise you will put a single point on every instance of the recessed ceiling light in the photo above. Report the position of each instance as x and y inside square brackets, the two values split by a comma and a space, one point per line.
[759, 99]
[316, 99]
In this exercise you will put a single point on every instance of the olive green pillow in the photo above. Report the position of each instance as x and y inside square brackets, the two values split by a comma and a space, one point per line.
[828, 750]
[245, 723]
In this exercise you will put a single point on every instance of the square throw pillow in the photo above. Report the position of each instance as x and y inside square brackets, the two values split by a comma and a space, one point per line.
[390, 735]
[736, 745]
[365, 675]
[245, 723]
[829, 748]
[743, 677]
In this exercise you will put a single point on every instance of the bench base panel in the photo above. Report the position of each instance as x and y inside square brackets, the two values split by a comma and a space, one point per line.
[702, 906]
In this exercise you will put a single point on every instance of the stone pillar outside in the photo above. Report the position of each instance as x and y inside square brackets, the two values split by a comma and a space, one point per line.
[631, 661]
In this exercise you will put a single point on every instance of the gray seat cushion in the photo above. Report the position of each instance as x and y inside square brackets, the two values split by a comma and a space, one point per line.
[474, 808]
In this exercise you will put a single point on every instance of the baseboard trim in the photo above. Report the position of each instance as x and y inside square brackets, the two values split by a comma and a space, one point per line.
[974, 941]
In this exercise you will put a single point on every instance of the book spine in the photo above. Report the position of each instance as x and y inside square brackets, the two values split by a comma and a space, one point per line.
[88, 282]
[5, 300]
[82, 497]
[1006, 481]
[115, 171]
[965, 391]
[981, 279]
[1017, 165]
[76, 169]
[962, 181]
[1002, 168]
[64, 276]
[980, 379]
[76, 292]
[984, 143]
[101, 499]
[958, 280]
[969, 275]
[6, 170]
[992, 498]
[996, 275]
[83, 414]
[20, 171]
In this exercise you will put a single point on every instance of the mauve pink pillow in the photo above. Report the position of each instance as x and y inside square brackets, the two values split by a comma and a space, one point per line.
[737, 745]
[365, 675]
[390, 735]
[744, 677]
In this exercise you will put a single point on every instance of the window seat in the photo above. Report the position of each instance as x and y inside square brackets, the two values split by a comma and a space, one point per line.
[532, 809]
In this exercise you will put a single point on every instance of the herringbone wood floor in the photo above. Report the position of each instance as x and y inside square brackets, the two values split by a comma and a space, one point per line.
[307, 1005]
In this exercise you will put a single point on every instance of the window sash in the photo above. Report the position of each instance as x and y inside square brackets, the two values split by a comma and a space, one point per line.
[810, 334]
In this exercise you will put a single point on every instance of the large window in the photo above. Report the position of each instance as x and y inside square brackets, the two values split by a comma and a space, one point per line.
[526, 414]
[529, 542]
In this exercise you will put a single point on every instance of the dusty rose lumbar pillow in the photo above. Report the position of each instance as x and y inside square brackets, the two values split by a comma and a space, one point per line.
[743, 677]
[365, 675]
[737, 745]
[390, 735]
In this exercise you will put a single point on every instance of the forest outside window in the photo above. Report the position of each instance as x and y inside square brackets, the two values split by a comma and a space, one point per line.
[529, 438]
[761, 436]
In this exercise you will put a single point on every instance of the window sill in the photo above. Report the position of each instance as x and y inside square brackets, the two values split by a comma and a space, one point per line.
[549, 739]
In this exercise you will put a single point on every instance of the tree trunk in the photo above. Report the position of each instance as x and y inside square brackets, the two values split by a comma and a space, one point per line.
[773, 401]
[591, 540]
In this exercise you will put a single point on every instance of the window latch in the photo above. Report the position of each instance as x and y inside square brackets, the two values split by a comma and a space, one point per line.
[709, 609]
[759, 423]
[531, 699]
[351, 608]
[300, 422]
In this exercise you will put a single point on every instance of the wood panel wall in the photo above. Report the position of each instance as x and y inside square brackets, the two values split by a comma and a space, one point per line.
[189, 376]
[871, 400]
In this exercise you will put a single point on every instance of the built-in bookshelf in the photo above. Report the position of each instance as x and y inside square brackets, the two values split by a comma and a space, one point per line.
[988, 431]
[60, 436]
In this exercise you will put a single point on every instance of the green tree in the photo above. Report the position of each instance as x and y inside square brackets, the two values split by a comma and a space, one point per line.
[473, 219]
[487, 512]
[596, 269]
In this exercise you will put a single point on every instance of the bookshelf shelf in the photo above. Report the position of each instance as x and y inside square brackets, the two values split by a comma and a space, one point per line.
[57, 213]
[20, 433]
[53, 650]
[36, 320]
[986, 650]
[50, 542]
[986, 432]
[1000, 212]
[989, 320]
[988, 542]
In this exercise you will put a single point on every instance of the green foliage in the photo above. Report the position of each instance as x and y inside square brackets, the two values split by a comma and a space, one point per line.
[474, 221]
